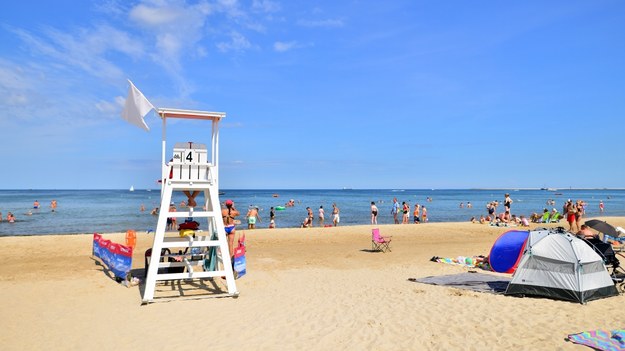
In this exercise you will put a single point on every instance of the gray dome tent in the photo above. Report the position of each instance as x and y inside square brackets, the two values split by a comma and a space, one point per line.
[558, 265]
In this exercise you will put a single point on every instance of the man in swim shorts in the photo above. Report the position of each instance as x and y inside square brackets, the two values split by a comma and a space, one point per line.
[228, 214]
[252, 217]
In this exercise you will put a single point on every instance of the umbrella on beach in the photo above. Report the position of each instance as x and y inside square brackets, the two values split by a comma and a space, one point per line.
[603, 227]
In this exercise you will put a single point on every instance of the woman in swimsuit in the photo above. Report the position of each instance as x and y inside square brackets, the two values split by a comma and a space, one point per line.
[374, 213]
[507, 201]
[228, 214]
[335, 215]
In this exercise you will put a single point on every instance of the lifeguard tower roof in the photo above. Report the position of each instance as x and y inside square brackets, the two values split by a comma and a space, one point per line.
[190, 114]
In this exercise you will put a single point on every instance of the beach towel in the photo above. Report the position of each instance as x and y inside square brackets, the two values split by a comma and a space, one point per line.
[465, 261]
[608, 340]
[479, 282]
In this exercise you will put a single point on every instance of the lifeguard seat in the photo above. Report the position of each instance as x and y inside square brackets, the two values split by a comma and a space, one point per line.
[190, 163]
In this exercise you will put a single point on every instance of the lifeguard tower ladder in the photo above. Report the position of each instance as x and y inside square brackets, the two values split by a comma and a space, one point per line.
[190, 170]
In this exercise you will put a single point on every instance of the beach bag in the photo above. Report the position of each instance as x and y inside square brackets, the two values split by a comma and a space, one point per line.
[239, 258]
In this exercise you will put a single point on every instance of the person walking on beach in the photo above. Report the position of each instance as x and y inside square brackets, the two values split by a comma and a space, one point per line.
[228, 215]
[322, 215]
[507, 202]
[171, 221]
[374, 213]
[571, 212]
[424, 214]
[335, 215]
[405, 209]
[395, 210]
[415, 213]
[252, 217]
[272, 218]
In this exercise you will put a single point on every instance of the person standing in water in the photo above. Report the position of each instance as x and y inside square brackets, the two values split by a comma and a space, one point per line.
[395, 210]
[335, 215]
[374, 213]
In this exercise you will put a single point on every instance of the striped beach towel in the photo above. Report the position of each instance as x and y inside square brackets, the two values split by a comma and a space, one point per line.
[608, 340]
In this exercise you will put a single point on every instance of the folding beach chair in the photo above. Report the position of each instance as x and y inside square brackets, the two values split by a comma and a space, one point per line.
[379, 242]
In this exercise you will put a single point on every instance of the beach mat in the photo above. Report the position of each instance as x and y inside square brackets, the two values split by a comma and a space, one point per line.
[479, 282]
[607, 340]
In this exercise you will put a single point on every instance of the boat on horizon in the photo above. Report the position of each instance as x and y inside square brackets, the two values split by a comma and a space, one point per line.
[132, 188]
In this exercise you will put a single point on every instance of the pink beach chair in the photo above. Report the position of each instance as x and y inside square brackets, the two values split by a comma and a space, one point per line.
[379, 242]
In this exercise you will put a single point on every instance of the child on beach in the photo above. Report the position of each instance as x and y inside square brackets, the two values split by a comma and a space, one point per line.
[415, 214]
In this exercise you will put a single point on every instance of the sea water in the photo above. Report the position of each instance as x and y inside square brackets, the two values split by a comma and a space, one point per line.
[107, 211]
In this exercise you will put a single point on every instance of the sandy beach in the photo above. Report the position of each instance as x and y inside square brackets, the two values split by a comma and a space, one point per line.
[306, 289]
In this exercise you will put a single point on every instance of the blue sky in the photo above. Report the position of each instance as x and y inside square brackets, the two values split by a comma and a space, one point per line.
[318, 94]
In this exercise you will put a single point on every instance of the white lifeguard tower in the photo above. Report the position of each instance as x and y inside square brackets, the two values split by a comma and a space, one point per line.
[192, 168]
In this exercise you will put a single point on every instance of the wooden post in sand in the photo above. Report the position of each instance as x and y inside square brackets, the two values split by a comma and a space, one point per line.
[190, 170]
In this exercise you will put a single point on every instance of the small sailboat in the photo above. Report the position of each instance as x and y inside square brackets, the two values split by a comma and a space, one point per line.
[132, 188]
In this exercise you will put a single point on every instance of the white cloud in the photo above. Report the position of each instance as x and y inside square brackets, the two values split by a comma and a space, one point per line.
[327, 23]
[84, 50]
[111, 108]
[237, 43]
[156, 16]
[282, 46]
[266, 6]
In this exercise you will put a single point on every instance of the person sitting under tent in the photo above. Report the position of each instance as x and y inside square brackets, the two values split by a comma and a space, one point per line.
[586, 233]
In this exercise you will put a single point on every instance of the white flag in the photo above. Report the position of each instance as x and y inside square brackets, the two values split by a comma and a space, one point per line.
[136, 107]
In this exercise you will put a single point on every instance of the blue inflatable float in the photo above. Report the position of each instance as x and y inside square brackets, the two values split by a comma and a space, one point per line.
[507, 251]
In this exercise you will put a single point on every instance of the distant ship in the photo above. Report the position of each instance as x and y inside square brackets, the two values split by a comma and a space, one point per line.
[132, 188]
